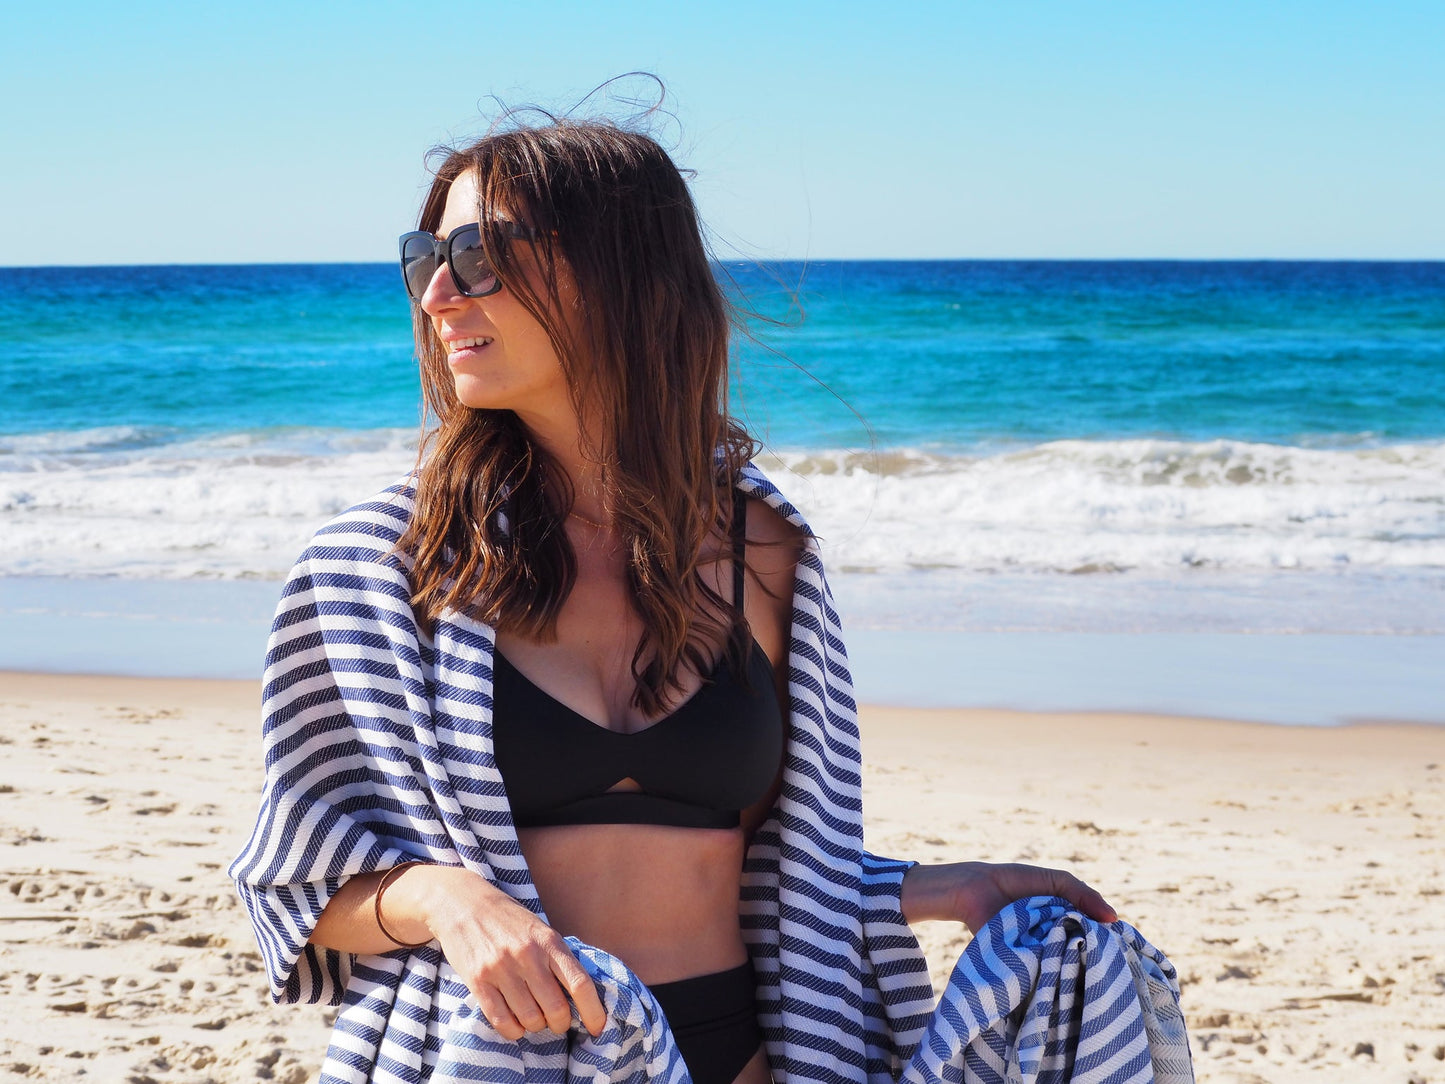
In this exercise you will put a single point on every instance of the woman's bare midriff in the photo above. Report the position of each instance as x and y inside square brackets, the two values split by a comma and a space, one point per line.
[663, 899]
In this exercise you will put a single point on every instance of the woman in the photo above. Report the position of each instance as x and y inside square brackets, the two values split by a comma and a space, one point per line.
[580, 678]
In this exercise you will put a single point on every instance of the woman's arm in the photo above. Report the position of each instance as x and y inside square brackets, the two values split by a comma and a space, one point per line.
[520, 970]
[968, 892]
[973, 892]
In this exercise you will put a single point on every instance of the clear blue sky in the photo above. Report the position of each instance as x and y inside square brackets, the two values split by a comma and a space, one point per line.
[198, 132]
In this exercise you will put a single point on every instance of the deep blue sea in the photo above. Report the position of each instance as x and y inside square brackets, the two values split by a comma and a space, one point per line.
[946, 356]
[1268, 433]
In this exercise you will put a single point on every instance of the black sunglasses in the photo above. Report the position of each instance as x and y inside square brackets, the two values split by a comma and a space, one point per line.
[461, 251]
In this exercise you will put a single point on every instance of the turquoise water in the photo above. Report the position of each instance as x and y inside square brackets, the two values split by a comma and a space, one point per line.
[955, 354]
[980, 417]
[170, 351]
[971, 418]
[949, 355]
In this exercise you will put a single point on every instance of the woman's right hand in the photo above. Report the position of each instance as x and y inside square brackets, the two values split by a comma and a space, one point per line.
[520, 970]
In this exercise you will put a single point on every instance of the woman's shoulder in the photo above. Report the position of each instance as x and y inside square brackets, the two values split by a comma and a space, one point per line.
[776, 534]
[777, 517]
[752, 481]
[773, 541]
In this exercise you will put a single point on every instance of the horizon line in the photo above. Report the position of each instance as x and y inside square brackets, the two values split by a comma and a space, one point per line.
[735, 262]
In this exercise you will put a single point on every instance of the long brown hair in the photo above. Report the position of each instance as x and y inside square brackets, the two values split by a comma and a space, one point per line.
[649, 357]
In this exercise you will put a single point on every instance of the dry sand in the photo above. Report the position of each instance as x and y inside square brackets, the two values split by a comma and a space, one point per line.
[1294, 876]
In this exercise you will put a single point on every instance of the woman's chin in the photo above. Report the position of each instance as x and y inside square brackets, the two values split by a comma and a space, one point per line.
[476, 394]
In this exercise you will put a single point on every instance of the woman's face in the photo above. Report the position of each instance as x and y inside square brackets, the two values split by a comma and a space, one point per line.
[500, 356]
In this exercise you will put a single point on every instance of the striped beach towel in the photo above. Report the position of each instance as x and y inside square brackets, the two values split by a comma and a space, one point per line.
[1045, 995]
[378, 749]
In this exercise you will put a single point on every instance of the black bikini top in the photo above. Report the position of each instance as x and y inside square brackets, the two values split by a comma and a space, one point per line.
[698, 767]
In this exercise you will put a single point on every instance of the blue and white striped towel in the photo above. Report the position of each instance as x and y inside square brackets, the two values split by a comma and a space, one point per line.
[1044, 995]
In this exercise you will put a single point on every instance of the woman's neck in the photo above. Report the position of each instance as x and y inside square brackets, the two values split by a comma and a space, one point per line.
[565, 442]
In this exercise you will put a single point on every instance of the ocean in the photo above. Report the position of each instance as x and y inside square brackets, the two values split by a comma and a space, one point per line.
[987, 448]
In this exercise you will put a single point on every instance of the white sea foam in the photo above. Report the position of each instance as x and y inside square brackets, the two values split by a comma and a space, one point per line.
[149, 503]
[1154, 505]
[144, 504]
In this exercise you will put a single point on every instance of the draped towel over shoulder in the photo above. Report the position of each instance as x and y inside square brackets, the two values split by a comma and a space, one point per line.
[378, 750]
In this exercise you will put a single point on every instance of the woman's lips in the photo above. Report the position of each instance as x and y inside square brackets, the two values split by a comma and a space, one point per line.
[461, 349]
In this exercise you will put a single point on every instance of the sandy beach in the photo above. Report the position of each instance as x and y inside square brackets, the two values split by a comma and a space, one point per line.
[1293, 875]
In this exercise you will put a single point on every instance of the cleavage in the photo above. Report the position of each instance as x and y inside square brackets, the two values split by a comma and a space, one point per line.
[568, 699]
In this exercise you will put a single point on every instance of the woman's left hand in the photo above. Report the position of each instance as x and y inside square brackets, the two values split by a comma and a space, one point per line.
[973, 892]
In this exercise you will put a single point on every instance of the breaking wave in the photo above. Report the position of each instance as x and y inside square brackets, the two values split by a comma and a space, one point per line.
[160, 503]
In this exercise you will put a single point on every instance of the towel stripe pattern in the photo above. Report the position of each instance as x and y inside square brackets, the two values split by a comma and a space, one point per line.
[1044, 995]
[378, 750]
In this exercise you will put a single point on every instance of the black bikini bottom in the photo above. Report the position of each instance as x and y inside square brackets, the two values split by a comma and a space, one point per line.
[715, 1022]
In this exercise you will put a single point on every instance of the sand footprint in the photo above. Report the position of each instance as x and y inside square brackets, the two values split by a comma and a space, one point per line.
[155, 810]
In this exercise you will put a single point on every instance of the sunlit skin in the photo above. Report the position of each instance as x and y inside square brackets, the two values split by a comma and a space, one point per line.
[662, 898]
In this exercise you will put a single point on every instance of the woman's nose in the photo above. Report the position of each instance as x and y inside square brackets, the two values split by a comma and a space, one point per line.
[441, 293]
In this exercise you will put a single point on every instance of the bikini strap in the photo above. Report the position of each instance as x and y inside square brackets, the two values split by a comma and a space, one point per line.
[740, 541]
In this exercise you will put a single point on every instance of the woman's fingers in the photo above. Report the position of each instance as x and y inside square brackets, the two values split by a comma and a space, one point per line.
[582, 989]
[1085, 898]
[523, 1006]
[552, 1001]
[1020, 881]
[494, 1007]
[535, 997]
[520, 970]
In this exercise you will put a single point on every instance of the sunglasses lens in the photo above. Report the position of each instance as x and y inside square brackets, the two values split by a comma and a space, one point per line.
[418, 264]
[469, 264]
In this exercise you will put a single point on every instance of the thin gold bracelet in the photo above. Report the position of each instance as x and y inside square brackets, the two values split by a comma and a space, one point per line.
[390, 876]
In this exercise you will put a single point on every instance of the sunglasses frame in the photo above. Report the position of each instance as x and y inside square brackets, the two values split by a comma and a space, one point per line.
[441, 252]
